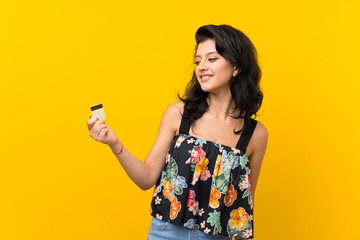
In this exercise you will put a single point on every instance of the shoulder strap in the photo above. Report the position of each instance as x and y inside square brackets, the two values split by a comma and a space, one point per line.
[185, 123]
[246, 135]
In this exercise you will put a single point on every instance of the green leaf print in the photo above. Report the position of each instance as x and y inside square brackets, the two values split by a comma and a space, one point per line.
[214, 220]
[222, 182]
[171, 169]
[234, 232]
[248, 225]
[178, 190]
[243, 161]
[214, 217]
[192, 167]
[200, 142]
[231, 156]
[243, 178]
[246, 193]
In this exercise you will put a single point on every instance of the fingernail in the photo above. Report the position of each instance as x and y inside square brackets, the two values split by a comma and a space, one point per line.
[89, 117]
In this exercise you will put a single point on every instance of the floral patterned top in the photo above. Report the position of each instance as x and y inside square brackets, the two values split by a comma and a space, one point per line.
[206, 185]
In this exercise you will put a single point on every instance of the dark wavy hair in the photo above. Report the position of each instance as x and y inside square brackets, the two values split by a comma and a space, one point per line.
[236, 47]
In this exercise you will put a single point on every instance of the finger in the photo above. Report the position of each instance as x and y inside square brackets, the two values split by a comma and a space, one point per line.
[91, 122]
[102, 134]
[101, 125]
[95, 130]
[95, 126]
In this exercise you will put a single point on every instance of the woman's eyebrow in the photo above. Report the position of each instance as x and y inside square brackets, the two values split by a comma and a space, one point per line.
[206, 54]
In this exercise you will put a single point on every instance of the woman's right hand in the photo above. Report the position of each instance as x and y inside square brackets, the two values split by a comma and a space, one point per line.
[101, 132]
[143, 173]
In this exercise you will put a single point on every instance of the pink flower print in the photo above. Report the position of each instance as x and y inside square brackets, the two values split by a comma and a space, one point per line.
[190, 202]
[194, 208]
[191, 199]
[248, 233]
[207, 230]
[202, 225]
[197, 153]
[179, 141]
[249, 177]
[158, 216]
[190, 140]
[205, 175]
[200, 151]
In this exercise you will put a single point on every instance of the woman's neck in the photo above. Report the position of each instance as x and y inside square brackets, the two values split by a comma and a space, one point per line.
[220, 104]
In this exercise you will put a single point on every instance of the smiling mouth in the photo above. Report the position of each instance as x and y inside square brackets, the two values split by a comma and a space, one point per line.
[206, 77]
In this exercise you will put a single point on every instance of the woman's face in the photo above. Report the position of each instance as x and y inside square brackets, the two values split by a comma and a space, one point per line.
[212, 70]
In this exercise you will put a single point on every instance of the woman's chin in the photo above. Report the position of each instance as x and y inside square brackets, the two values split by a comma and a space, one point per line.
[205, 89]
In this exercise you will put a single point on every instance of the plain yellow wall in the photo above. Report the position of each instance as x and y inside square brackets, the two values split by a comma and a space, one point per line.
[59, 57]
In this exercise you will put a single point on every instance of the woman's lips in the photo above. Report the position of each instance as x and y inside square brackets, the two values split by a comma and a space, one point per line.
[205, 78]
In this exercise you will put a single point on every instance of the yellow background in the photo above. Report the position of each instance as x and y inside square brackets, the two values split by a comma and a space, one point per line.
[59, 57]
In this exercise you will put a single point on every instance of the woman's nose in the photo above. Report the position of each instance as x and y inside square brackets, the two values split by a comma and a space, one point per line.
[202, 65]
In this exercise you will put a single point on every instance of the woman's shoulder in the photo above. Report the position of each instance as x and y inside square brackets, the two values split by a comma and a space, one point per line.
[260, 135]
[176, 108]
[260, 130]
[259, 138]
[174, 112]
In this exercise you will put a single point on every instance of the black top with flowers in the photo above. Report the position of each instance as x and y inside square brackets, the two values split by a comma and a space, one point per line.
[206, 185]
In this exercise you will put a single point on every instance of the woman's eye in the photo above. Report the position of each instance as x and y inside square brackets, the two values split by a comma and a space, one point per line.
[210, 59]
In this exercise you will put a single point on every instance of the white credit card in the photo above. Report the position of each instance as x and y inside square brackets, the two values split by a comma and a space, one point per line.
[98, 111]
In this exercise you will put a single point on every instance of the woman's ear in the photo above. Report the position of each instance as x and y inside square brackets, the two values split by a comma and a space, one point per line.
[236, 69]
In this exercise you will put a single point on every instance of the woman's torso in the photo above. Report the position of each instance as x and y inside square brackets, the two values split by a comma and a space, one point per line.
[205, 184]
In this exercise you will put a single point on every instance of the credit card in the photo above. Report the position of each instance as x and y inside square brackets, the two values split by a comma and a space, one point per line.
[97, 110]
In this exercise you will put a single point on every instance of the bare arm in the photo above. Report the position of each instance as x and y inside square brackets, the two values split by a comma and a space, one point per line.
[259, 139]
[259, 142]
[145, 173]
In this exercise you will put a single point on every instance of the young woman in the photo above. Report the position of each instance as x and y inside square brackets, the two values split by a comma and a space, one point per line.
[207, 145]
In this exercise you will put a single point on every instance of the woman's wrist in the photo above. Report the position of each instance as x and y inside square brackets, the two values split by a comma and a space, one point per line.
[117, 147]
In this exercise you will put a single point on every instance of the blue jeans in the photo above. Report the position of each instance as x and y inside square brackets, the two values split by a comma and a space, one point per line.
[161, 230]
